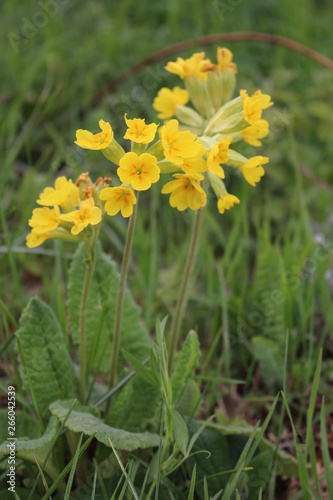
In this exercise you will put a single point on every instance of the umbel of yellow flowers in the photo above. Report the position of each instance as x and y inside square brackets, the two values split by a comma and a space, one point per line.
[216, 122]
[195, 143]
[67, 212]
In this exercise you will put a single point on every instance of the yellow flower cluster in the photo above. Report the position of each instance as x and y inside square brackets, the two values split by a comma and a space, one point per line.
[73, 210]
[196, 140]
[193, 144]
[137, 170]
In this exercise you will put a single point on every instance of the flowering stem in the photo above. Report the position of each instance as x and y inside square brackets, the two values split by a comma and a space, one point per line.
[82, 327]
[183, 291]
[120, 298]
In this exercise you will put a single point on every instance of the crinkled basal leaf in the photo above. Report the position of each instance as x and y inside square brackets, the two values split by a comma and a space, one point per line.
[135, 406]
[47, 368]
[185, 365]
[33, 450]
[25, 426]
[78, 421]
[101, 309]
[33, 445]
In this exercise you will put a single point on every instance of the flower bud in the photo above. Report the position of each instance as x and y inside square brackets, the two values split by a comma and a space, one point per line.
[189, 116]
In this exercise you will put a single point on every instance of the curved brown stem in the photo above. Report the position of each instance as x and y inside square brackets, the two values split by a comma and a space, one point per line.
[250, 36]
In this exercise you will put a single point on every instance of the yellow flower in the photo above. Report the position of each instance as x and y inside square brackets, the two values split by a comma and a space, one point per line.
[139, 132]
[185, 193]
[138, 171]
[252, 169]
[65, 194]
[193, 166]
[167, 101]
[87, 140]
[44, 220]
[252, 133]
[226, 202]
[87, 214]
[193, 66]
[217, 155]
[178, 145]
[118, 199]
[34, 240]
[253, 106]
[224, 58]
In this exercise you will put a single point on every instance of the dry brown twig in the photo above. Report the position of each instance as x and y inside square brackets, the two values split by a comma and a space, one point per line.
[209, 40]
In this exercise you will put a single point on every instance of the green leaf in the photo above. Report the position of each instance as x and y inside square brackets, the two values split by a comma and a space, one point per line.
[140, 369]
[287, 464]
[192, 487]
[33, 445]
[190, 402]
[47, 368]
[25, 426]
[81, 421]
[313, 396]
[302, 467]
[71, 475]
[268, 353]
[36, 449]
[180, 431]
[134, 406]
[216, 461]
[325, 450]
[185, 365]
[227, 492]
[101, 308]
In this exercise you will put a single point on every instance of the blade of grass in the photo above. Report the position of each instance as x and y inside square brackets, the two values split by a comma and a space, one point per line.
[205, 487]
[303, 473]
[51, 448]
[13, 359]
[100, 481]
[159, 455]
[8, 314]
[271, 487]
[6, 344]
[239, 466]
[12, 262]
[144, 484]
[40, 472]
[125, 485]
[325, 450]
[66, 470]
[192, 486]
[124, 471]
[71, 475]
[309, 444]
[93, 491]
[260, 434]
[312, 402]
[117, 386]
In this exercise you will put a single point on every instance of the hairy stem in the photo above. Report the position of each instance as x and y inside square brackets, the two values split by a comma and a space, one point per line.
[82, 328]
[183, 291]
[120, 298]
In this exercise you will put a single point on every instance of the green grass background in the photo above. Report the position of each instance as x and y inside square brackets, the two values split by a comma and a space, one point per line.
[274, 250]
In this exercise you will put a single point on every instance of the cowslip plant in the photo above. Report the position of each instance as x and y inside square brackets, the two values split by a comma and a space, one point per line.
[195, 144]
